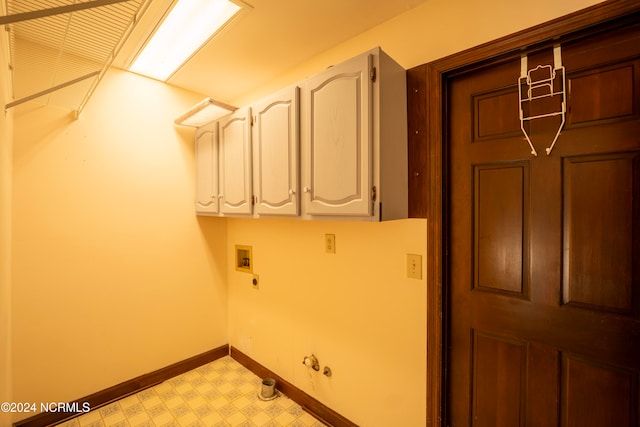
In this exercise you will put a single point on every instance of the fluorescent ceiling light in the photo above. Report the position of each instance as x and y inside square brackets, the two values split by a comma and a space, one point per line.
[205, 112]
[187, 27]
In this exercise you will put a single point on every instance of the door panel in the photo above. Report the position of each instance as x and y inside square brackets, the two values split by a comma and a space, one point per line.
[499, 219]
[587, 383]
[598, 239]
[499, 372]
[493, 116]
[206, 154]
[340, 139]
[235, 163]
[611, 86]
[276, 144]
[544, 252]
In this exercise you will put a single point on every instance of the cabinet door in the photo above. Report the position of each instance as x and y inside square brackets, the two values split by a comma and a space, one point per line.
[206, 155]
[235, 163]
[338, 140]
[275, 153]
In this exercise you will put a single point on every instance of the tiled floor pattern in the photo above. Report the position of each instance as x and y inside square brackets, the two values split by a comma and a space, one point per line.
[221, 393]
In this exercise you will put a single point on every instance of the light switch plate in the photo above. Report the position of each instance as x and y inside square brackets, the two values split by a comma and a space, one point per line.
[414, 266]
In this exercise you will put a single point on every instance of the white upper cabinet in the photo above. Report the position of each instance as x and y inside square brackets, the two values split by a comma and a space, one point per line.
[206, 152]
[333, 147]
[354, 140]
[338, 140]
[276, 153]
[235, 163]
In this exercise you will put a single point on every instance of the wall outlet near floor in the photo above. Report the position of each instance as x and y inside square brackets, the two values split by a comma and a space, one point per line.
[330, 243]
[414, 266]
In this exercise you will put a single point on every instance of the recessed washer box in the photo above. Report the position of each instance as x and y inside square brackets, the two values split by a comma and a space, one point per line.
[244, 259]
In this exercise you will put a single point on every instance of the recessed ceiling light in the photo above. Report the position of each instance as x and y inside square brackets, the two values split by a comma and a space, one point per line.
[189, 24]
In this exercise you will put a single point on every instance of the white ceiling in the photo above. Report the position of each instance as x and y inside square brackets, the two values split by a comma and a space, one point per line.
[63, 55]
[271, 37]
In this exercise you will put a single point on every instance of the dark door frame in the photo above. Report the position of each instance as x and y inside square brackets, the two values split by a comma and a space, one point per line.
[431, 79]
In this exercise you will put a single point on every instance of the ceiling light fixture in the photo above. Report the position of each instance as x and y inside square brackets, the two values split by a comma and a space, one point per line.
[189, 25]
[205, 112]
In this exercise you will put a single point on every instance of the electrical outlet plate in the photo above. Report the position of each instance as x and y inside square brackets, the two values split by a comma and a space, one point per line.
[330, 243]
[414, 266]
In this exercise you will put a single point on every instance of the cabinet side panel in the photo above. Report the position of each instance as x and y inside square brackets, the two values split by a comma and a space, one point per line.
[393, 158]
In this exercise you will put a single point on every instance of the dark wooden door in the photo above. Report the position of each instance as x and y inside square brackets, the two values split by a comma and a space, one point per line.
[544, 251]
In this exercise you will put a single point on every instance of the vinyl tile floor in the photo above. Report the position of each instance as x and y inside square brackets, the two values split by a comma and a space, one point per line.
[220, 393]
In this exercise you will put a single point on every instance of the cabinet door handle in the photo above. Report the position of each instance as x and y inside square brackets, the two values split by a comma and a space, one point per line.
[307, 189]
[292, 192]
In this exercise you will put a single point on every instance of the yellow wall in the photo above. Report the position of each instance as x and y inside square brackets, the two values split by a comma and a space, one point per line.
[6, 143]
[113, 274]
[356, 310]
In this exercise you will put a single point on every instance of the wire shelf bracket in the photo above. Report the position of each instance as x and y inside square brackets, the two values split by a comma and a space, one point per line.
[540, 83]
[65, 47]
